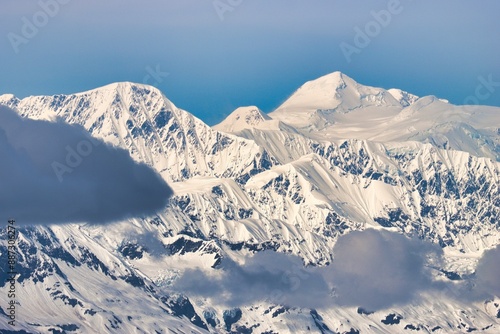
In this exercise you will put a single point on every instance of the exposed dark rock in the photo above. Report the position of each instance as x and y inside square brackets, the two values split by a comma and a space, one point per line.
[231, 317]
[392, 319]
[318, 321]
[182, 307]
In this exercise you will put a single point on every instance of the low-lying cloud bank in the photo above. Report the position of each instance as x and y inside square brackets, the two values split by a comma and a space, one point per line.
[275, 277]
[372, 269]
[53, 172]
[377, 269]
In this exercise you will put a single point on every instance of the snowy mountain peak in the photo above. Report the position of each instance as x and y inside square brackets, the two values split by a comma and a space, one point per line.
[126, 93]
[6, 97]
[243, 118]
[314, 105]
[122, 88]
[142, 120]
[404, 98]
[9, 100]
[337, 92]
[332, 81]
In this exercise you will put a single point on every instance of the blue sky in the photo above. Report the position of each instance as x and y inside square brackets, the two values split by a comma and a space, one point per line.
[250, 52]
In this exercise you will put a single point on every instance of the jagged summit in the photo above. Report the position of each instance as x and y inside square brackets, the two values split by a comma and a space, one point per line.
[93, 103]
[121, 87]
[141, 119]
[404, 98]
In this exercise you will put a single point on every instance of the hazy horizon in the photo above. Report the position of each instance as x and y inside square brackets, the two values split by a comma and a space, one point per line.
[211, 57]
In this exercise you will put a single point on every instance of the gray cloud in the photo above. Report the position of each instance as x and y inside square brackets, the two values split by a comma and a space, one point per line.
[53, 172]
[376, 269]
[266, 276]
[372, 269]
[488, 272]
[481, 285]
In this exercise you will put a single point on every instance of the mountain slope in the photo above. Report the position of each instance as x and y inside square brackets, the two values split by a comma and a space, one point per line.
[336, 107]
[315, 104]
[337, 157]
[140, 119]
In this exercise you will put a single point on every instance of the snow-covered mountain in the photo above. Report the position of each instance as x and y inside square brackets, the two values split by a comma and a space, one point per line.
[243, 118]
[316, 103]
[336, 157]
[336, 107]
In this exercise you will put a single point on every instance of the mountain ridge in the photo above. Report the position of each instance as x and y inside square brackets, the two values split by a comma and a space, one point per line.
[255, 188]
